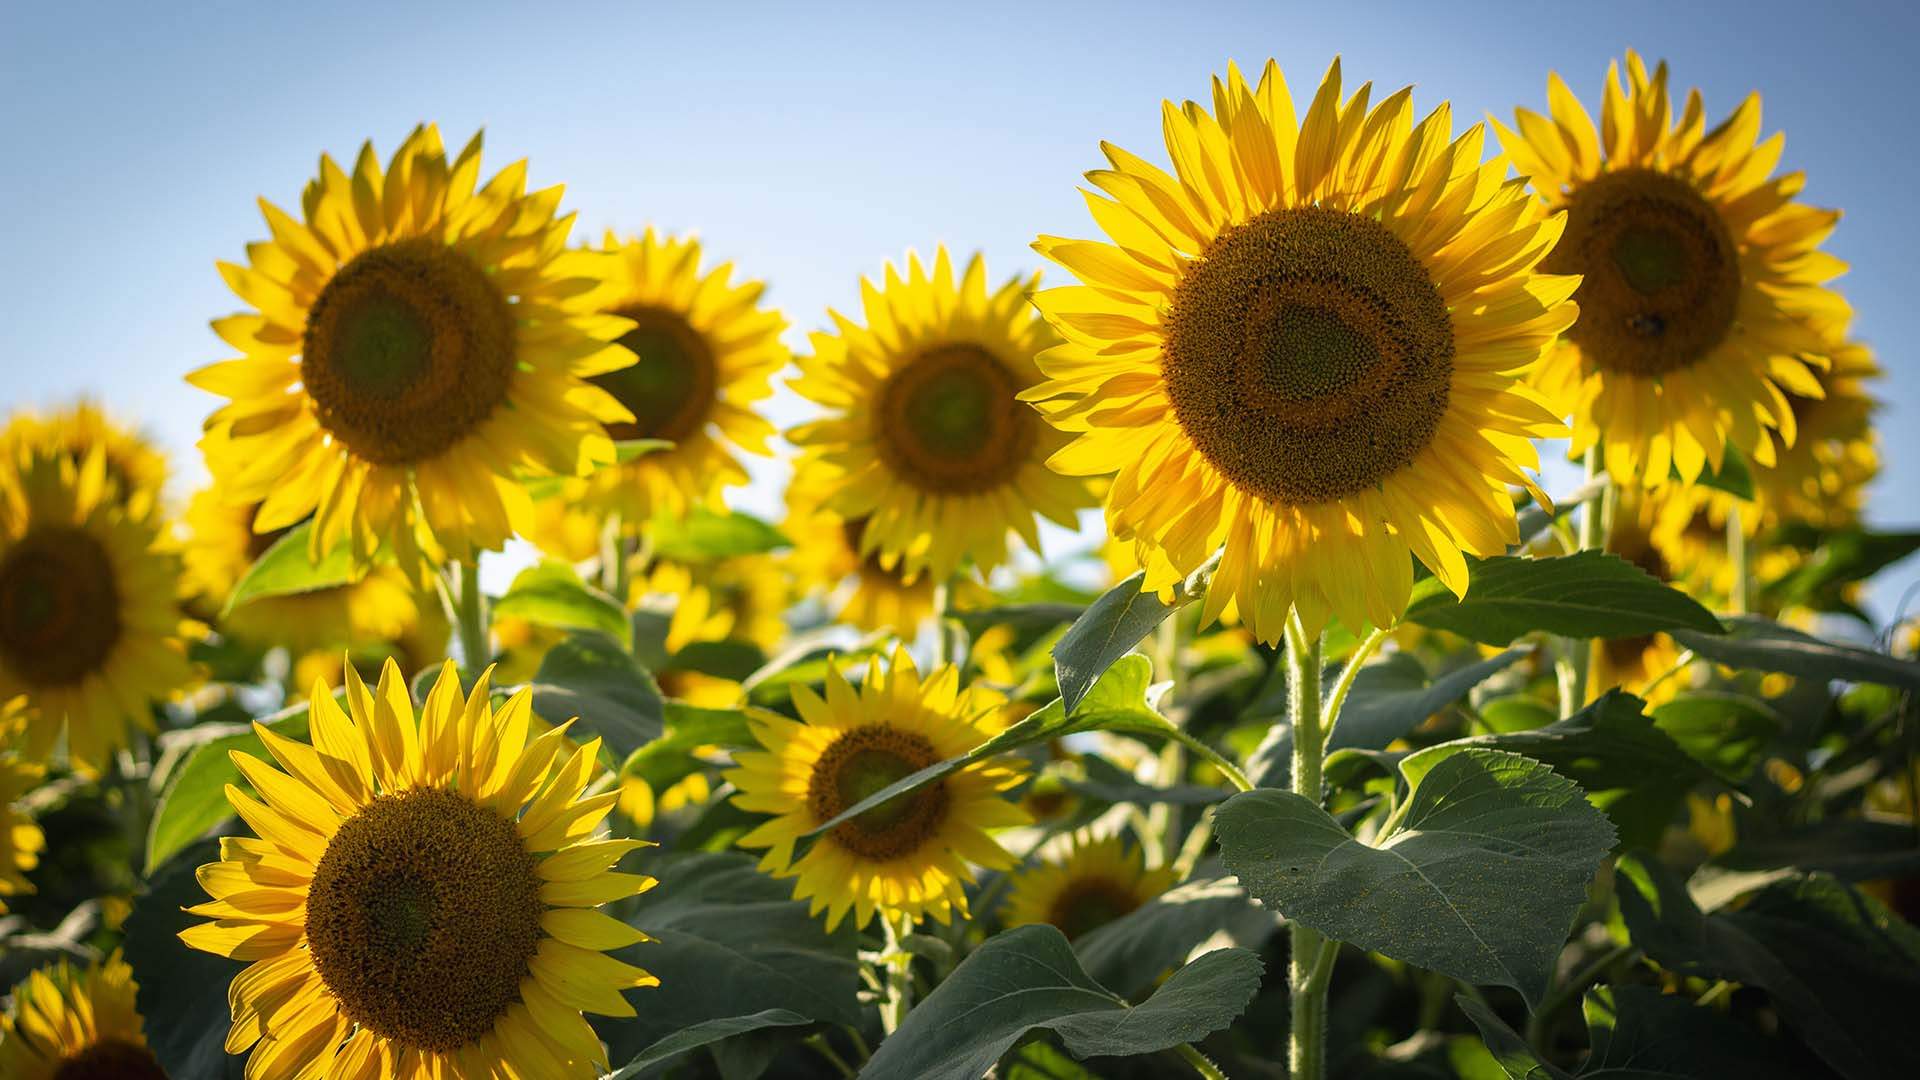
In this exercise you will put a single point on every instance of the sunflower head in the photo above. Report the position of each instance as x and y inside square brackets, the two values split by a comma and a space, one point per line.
[925, 440]
[1305, 347]
[1084, 884]
[69, 1023]
[419, 342]
[905, 858]
[21, 840]
[90, 632]
[1703, 298]
[1822, 478]
[136, 470]
[420, 891]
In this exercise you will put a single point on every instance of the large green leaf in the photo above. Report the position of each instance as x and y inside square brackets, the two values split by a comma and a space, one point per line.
[1628, 766]
[1842, 971]
[182, 992]
[1028, 978]
[702, 1034]
[1390, 697]
[1851, 849]
[1754, 642]
[1131, 953]
[195, 798]
[702, 535]
[591, 677]
[1117, 702]
[1838, 559]
[1110, 628]
[1726, 732]
[1638, 1033]
[286, 568]
[731, 942]
[1584, 595]
[552, 594]
[1478, 876]
[670, 757]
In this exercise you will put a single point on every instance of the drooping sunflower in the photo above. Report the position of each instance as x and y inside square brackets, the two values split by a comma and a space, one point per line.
[1305, 347]
[74, 1024]
[909, 857]
[1822, 478]
[1084, 884]
[420, 900]
[926, 441]
[1703, 296]
[90, 631]
[21, 840]
[417, 347]
[706, 351]
[136, 468]
[381, 607]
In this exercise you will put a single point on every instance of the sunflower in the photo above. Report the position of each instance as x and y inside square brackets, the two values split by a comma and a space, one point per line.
[706, 351]
[221, 545]
[926, 442]
[136, 469]
[1306, 347]
[907, 858]
[90, 632]
[69, 1024]
[418, 346]
[420, 901]
[21, 840]
[1087, 884]
[1703, 294]
[1822, 478]
[743, 598]
[1665, 534]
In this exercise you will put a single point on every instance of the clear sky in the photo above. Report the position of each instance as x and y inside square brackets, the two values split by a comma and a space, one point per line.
[807, 142]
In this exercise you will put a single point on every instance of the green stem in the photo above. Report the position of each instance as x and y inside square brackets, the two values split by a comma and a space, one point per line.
[1578, 662]
[1307, 969]
[1172, 765]
[476, 647]
[1714, 994]
[942, 646]
[1348, 674]
[825, 1049]
[1540, 1021]
[1737, 553]
[859, 1042]
[898, 963]
[1199, 1062]
[1179, 737]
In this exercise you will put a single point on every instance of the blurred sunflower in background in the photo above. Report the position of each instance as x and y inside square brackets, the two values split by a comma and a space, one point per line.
[90, 631]
[926, 442]
[136, 469]
[380, 609]
[419, 344]
[1822, 478]
[1662, 534]
[1083, 884]
[420, 899]
[1703, 299]
[908, 857]
[21, 840]
[1305, 346]
[68, 1023]
[705, 351]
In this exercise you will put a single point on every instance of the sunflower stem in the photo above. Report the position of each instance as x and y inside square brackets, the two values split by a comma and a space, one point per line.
[1742, 599]
[1308, 970]
[1577, 664]
[475, 646]
[898, 965]
[942, 646]
[825, 1049]
[1199, 1061]
[1172, 764]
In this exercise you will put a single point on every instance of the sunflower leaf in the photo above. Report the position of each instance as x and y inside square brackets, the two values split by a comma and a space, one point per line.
[1584, 595]
[1478, 876]
[1117, 702]
[589, 676]
[195, 798]
[552, 594]
[1028, 978]
[1112, 625]
[706, 1033]
[181, 993]
[1764, 645]
[284, 569]
[704, 536]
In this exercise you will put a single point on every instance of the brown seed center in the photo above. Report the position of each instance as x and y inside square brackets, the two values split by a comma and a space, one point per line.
[423, 917]
[1308, 355]
[949, 421]
[1661, 282]
[863, 762]
[671, 387]
[111, 1059]
[59, 606]
[407, 351]
[1088, 903]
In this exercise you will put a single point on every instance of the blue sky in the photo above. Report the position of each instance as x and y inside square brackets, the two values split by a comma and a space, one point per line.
[807, 143]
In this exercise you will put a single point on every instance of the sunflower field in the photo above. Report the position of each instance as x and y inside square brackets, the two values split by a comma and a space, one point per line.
[1319, 739]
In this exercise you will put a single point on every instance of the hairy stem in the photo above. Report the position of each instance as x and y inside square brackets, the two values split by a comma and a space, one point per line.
[1199, 1061]
[1307, 969]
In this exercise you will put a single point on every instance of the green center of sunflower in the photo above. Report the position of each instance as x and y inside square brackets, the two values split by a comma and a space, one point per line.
[423, 918]
[1661, 275]
[949, 421]
[670, 388]
[110, 1059]
[59, 606]
[1308, 355]
[408, 349]
[863, 762]
[1089, 903]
